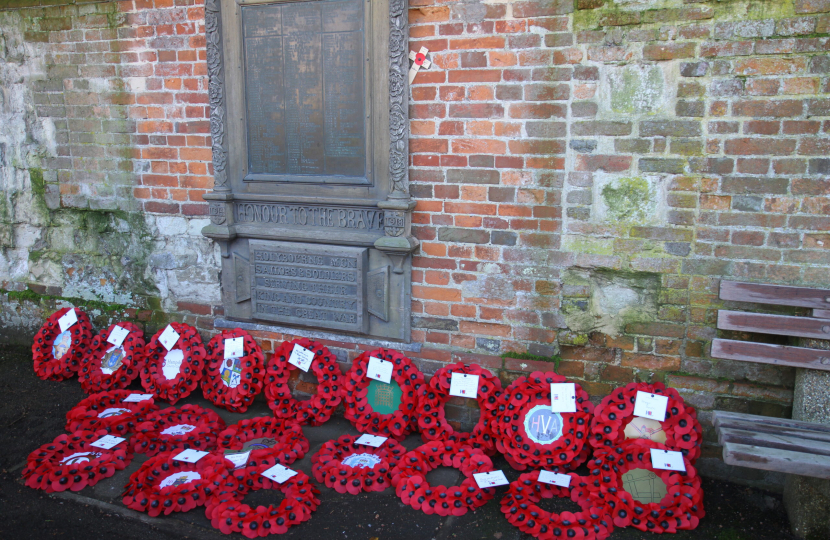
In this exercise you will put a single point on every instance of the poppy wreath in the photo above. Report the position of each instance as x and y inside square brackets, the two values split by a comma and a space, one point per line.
[71, 463]
[681, 427]
[520, 506]
[290, 443]
[680, 509]
[190, 372]
[91, 373]
[107, 411]
[251, 365]
[329, 465]
[49, 368]
[358, 410]
[164, 485]
[319, 408]
[409, 478]
[177, 429]
[229, 514]
[521, 451]
[431, 417]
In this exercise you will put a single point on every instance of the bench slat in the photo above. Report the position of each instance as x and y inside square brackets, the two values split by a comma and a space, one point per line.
[774, 459]
[821, 313]
[766, 353]
[780, 325]
[773, 440]
[761, 427]
[719, 417]
[780, 295]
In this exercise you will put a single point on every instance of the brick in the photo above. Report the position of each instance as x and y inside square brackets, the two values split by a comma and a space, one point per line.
[602, 162]
[663, 165]
[476, 110]
[811, 6]
[650, 362]
[769, 66]
[773, 108]
[462, 235]
[661, 233]
[670, 128]
[474, 75]
[669, 51]
[542, 8]
[601, 128]
[536, 111]
[759, 146]
[472, 176]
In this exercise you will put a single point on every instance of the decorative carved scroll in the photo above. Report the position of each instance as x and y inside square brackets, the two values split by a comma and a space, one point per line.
[216, 94]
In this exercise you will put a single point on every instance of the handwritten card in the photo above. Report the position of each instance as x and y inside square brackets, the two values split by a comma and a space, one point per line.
[234, 347]
[118, 335]
[190, 455]
[490, 479]
[668, 460]
[301, 357]
[371, 440]
[67, 320]
[279, 474]
[547, 477]
[563, 397]
[651, 406]
[380, 370]
[169, 338]
[135, 398]
[464, 385]
[108, 441]
[238, 459]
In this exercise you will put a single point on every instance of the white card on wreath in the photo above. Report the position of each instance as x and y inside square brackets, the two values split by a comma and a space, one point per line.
[490, 479]
[651, 406]
[380, 370]
[135, 398]
[371, 440]
[279, 474]
[561, 480]
[238, 460]
[68, 319]
[563, 397]
[667, 460]
[190, 455]
[108, 441]
[234, 347]
[464, 385]
[169, 337]
[301, 357]
[118, 335]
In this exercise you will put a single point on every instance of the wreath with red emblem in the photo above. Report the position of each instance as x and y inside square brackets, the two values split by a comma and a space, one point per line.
[227, 513]
[680, 509]
[184, 381]
[165, 485]
[360, 413]
[107, 411]
[124, 363]
[232, 383]
[275, 437]
[347, 467]
[71, 347]
[71, 463]
[431, 416]
[616, 412]
[320, 407]
[520, 506]
[409, 478]
[177, 429]
[527, 401]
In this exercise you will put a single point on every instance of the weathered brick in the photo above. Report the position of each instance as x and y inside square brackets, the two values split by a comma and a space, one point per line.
[670, 128]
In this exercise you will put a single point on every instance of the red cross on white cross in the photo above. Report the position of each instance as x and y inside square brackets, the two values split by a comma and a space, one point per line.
[419, 60]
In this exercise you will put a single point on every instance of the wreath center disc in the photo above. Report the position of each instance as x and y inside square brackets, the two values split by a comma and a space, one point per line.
[113, 411]
[645, 486]
[361, 461]
[178, 429]
[542, 425]
[180, 478]
[61, 344]
[80, 457]
[645, 428]
[231, 372]
[112, 360]
[384, 398]
[172, 363]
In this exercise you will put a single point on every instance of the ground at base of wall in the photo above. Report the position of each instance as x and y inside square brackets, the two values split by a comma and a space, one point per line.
[32, 412]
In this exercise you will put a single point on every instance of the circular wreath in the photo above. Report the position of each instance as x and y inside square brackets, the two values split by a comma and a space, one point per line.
[521, 400]
[107, 411]
[432, 419]
[71, 347]
[286, 440]
[680, 509]
[70, 462]
[185, 380]
[227, 513]
[320, 407]
[520, 506]
[614, 415]
[123, 366]
[358, 410]
[163, 484]
[409, 478]
[177, 429]
[348, 467]
[232, 383]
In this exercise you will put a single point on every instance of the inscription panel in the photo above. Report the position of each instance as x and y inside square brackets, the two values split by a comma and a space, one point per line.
[310, 216]
[320, 286]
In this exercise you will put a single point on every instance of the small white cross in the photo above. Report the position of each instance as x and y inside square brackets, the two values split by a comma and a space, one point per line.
[419, 60]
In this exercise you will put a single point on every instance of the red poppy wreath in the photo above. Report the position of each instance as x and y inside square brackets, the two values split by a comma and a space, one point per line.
[432, 419]
[276, 437]
[379, 408]
[614, 422]
[347, 467]
[229, 514]
[642, 496]
[409, 478]
[165, 485]
[108, 411]
[319, 408]
[70, 462]
[106, 366]
[520, 506]
[173, 374]
[232, 383]
[177, 429]
[529, 434]
[57, 353]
